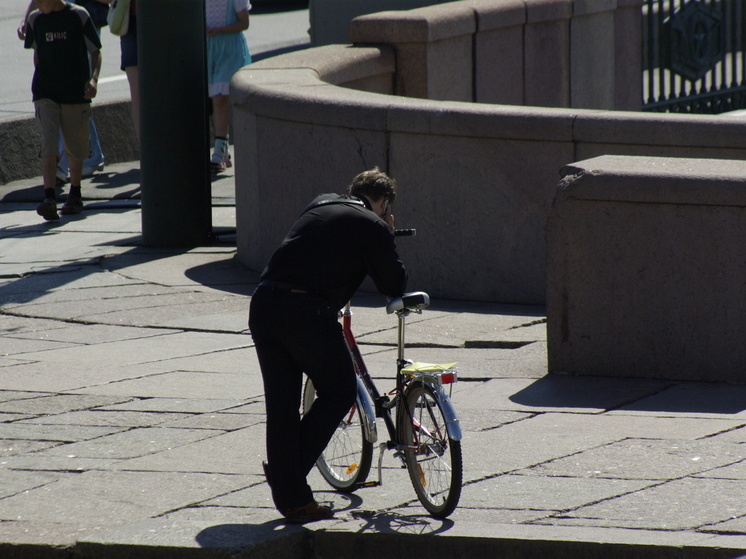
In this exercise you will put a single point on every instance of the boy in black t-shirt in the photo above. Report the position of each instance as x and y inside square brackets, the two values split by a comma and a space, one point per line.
[64, 83]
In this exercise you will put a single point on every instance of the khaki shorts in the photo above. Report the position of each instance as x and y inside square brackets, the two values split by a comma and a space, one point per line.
[72, 120]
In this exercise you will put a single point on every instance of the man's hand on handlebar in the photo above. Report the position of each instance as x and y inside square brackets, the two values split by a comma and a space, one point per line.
[389, 218]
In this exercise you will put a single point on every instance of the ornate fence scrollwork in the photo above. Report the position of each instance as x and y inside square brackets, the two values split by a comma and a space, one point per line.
[693, 56]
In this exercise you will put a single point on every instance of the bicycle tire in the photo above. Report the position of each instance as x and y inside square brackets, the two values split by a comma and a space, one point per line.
[346, 460]
[433, 458]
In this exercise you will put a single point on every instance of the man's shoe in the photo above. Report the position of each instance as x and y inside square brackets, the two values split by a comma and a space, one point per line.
[48, 209]
[73, 205]
[307, 513]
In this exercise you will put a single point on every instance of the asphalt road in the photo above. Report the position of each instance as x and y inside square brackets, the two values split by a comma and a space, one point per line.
[274, 26]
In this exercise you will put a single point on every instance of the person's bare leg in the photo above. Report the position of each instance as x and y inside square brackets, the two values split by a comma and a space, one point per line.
[76, 171]
[49, 172]
[133, 77]
[220, 115]
[74, 202]
[48, 207]
[220, 156]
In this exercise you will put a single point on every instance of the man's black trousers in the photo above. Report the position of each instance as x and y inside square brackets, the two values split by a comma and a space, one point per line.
[298, 333]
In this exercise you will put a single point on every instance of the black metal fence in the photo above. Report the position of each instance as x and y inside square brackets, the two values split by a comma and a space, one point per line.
[694, 60]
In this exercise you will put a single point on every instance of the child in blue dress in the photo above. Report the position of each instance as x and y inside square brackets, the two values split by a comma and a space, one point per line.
[227, 51]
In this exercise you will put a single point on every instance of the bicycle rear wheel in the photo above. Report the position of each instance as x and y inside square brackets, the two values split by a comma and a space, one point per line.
[346, 460]
[433, 458]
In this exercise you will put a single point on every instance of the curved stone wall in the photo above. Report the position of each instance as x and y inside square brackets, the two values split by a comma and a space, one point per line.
[477, 179]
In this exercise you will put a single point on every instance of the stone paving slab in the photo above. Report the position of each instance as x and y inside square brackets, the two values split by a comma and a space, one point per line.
[733, 471]
[31, 375]
[647, 459]
[683, 504]
[132, 418]
[696, 399]
[184, 384]
[229, 361]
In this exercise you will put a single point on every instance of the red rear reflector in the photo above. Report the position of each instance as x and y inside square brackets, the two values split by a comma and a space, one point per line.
[447, 378]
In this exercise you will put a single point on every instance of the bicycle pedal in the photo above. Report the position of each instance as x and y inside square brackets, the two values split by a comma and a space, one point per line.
[367, 484]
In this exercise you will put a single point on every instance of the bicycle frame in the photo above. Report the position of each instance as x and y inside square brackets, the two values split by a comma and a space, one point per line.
[367, 392]
[364, 391]
[374, 405]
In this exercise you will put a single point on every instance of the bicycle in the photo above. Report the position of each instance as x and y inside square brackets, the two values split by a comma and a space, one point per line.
[424, 433]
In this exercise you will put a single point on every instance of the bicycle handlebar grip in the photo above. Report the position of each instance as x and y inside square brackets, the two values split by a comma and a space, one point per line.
[405, 232]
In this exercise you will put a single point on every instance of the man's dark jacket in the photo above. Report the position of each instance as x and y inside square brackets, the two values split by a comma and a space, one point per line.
[333, 245]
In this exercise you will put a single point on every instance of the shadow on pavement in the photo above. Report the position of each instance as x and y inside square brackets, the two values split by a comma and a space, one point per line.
[393, 523]
[225, 275]
[632, 395]
[127, 184]
[274, 536]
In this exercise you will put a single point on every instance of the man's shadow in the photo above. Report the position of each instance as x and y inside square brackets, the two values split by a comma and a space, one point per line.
[285, 540]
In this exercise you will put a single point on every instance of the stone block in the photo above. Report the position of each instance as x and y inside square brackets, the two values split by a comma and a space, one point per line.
[654, 130]
[662, 299]
[479, 207]
[274, 193]
[330, 19]
[482, 121]
[422, 25]
[422, 70]
[590, 7]
[298, 95]
[628, 68]
[433, 48]
[335, 64]
[493, 15]
[116, 130]
[382, 84]
[542, 11]
[547, 54]
[22, 137]
[498, 59]
[592, 57]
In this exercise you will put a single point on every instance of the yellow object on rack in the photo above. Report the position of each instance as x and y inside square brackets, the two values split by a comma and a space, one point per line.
[427, 368]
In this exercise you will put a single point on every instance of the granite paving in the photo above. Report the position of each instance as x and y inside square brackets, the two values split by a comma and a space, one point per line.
[132, 416]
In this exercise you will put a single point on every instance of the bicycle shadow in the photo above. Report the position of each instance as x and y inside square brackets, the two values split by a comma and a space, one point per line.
[389, 522]
[350, 507]
[277, 539]
[349, 519]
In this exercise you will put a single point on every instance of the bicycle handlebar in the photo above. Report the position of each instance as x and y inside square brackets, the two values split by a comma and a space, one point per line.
[405, 232]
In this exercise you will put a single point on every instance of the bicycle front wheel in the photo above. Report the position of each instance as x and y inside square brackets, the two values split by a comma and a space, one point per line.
[433, 458]
[345, 462]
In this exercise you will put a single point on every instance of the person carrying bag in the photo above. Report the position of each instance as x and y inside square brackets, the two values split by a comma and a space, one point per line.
[118, 17]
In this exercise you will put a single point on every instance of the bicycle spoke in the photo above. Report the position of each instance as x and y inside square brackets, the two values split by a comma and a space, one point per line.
[345, 462]
[433, 459]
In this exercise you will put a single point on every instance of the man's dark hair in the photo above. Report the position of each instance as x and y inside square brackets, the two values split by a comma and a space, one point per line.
[374, 184]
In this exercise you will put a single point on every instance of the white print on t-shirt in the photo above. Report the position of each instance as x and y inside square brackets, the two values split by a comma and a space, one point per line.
[56, 36]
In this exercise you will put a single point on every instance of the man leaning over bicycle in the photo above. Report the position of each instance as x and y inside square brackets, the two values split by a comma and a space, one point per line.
[336, 242]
